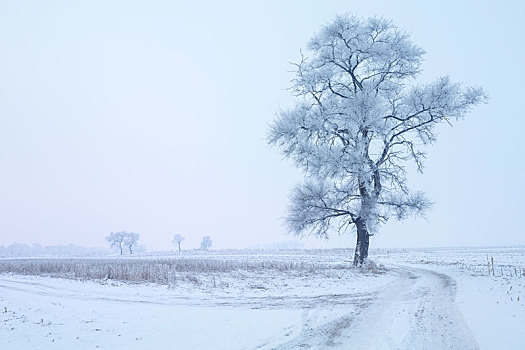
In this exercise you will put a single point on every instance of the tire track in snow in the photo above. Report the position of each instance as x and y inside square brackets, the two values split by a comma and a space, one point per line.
[416, 311]
[75, 291]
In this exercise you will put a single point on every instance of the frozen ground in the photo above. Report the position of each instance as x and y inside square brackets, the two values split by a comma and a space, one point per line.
[491, 301]
[424, 299]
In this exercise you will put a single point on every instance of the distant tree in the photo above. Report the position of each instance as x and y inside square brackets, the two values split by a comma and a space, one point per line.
[123, 239]
[116, 239]
[131, 240]
[359, 118]
[206, 243]
[177, 239]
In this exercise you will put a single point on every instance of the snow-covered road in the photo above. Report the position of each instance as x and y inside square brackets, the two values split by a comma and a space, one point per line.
[415, 310]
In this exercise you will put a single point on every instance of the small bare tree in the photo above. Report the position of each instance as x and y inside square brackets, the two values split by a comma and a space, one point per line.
[177, 239]
[359, 117]
[116, 239]
[130, 240]
[123, 239]
[206, 243]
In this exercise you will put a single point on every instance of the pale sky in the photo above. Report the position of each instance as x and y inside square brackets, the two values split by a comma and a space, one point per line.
[151, 117]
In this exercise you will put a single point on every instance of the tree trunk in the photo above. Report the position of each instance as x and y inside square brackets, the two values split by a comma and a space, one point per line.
[120, 246]
[179, 246]
[361, 247]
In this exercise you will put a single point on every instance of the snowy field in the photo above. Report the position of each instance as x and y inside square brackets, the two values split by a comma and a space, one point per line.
[411, 299]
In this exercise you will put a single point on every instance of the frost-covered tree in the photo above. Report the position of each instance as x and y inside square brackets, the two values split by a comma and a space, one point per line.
[123, 239]
[130, 240]
[206, 243]
[116, 240]
[177, 239]
[359, 117]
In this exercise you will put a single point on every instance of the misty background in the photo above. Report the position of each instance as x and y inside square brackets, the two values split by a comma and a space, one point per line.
[151, 117]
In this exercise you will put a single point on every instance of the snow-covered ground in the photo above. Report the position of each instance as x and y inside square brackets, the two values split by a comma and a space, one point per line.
[423, 299]
[489, 288]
